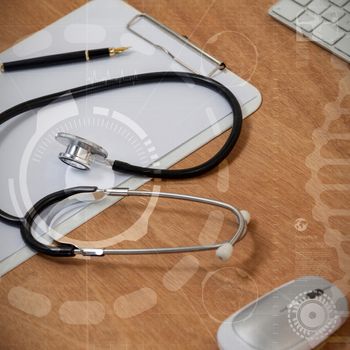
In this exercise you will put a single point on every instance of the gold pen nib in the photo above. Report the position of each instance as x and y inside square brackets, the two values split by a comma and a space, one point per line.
[117, 50]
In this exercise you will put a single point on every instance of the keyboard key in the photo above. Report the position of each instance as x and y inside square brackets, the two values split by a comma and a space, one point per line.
[344, 23]
[288, 10]
[308, 21]
[339, 3]
[319, 6]
[333, 14]
[322, 21]
[328, 33]
[303, 2]
[344, 45]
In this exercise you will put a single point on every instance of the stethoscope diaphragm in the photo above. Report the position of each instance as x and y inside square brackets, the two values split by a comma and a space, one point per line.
[80, 153]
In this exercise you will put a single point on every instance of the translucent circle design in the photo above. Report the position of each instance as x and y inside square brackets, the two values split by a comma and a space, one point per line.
[312, 319]
[225, 290]
[43, 149]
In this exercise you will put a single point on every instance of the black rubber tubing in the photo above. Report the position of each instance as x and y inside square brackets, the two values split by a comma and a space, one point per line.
[133, 80]
[61, 249]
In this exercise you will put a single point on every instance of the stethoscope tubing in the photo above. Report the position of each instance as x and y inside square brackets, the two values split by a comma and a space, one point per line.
[140, 79]
[63, 249]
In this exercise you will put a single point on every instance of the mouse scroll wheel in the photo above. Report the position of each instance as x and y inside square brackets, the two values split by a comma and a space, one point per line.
[315, 293]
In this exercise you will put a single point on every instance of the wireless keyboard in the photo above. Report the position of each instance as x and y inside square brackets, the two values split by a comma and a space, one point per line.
[325, 22]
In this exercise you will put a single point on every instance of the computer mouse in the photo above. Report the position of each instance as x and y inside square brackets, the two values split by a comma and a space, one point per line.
[299, 315]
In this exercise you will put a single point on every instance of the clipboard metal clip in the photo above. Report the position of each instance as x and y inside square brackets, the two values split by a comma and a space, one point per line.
[218, 65]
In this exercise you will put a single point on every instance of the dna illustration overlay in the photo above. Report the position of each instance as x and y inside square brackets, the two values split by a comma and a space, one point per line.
[337, 113]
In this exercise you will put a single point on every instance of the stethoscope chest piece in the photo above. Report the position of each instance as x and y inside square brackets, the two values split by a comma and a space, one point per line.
[80, 153]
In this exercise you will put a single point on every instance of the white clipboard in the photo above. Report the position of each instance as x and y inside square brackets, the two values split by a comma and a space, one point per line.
[132, 124]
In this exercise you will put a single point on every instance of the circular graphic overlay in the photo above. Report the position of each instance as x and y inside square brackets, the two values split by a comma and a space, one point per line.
[225, 290]
[312, 315]
[99, 124]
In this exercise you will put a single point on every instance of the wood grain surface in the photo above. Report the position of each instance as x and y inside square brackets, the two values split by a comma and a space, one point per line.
[281, 172]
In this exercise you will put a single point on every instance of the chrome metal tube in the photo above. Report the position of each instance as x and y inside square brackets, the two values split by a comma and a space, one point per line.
[122, 192]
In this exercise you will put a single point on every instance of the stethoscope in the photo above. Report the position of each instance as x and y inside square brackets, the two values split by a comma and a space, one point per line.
[81, 154]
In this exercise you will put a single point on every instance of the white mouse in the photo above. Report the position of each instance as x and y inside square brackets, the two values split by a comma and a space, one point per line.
[299, 315]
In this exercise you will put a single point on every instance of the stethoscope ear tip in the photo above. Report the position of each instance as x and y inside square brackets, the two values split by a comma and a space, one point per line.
[246, 215]
[224, 252]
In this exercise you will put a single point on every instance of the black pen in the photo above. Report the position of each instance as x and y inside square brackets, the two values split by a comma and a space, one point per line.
[62, 58]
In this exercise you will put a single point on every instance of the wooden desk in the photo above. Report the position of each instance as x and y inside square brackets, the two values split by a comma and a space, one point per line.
[274, 173]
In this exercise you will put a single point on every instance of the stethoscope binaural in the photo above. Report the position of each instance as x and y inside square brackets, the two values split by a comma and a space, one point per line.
[81, 153]
[223, 250]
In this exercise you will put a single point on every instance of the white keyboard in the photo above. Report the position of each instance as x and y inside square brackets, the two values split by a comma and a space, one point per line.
[326, 22]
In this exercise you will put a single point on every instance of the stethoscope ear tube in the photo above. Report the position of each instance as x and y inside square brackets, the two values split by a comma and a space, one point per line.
[223, 249]
[61, 249]
[10, 219]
